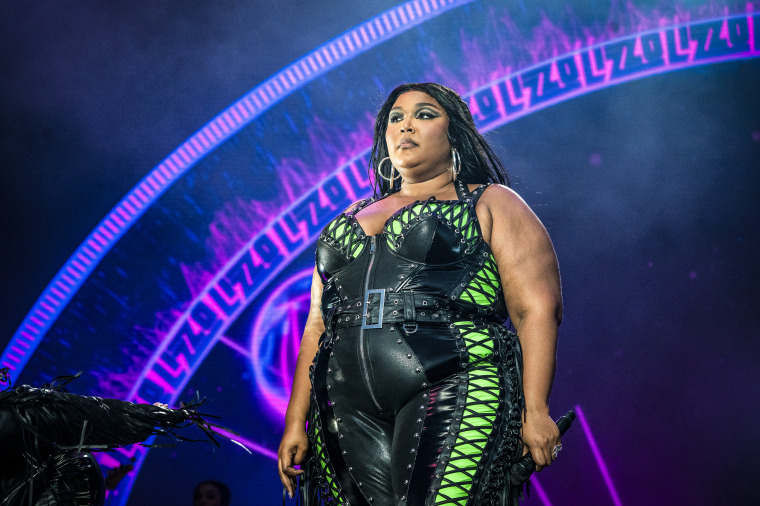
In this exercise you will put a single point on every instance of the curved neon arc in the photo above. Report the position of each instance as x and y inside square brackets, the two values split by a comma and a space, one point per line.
[119, 220]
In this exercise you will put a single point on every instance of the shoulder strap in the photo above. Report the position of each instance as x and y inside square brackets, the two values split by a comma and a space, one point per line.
[478, 192]
[361, 204]
[463, 191]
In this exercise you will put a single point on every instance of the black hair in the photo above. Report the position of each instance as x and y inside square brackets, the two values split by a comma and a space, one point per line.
[479, 163]
[224, 491]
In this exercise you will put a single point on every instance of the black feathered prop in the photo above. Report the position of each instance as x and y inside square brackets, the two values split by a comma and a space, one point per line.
[46, 434]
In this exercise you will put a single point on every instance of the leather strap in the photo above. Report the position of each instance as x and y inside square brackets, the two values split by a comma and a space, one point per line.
[409, 307]
[410, 317]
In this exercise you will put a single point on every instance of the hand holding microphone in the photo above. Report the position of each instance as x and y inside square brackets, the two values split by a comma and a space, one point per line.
[523, 468]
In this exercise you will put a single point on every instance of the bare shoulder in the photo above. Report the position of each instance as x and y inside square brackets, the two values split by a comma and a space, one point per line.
[503, 202]
[502, 211]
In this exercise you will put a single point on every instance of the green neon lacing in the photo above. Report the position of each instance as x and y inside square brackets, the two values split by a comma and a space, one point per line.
[484, 286]
[344, 233]
[476, 426]
[330, 486]
[478, 340]
[455, 212]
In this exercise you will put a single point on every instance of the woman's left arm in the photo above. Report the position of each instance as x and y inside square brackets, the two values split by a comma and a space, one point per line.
[530, 279]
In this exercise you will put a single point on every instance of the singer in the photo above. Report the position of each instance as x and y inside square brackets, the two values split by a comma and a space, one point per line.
[408, 377]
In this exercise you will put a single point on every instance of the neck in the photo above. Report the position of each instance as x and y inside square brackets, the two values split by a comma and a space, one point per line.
[426, 188]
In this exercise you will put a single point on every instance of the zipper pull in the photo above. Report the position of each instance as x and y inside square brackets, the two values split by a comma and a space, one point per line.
[372, 245]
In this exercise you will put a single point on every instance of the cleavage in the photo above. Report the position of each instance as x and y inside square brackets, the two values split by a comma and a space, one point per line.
[426, 232]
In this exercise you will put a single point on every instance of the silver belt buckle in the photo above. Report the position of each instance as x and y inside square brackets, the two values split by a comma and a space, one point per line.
[365, 314]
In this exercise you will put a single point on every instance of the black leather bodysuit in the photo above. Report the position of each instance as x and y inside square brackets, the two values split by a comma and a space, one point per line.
[416, 394]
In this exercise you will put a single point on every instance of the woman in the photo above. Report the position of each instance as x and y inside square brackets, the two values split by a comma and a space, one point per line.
[415, 392]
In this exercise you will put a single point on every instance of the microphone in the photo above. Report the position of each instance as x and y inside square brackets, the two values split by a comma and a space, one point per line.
[523, 468]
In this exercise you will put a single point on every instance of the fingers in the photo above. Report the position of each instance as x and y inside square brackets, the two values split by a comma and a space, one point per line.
[284, 478]
[292, 452]
[284, 459]
[541, 436]
[540, 458]
[543, 453]
[287, 472]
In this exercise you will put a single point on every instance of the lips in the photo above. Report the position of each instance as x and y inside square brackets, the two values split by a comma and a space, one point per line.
[406, 142]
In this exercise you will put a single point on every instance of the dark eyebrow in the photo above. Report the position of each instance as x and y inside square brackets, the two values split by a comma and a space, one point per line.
[421, 104]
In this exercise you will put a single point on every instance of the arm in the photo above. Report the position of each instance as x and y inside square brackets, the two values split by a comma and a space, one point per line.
[530, 280]
[294, 441]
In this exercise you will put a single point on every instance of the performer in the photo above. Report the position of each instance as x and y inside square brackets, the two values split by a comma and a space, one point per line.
[411, 384]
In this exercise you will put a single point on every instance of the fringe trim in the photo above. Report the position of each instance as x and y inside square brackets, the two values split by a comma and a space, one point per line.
[59, 428]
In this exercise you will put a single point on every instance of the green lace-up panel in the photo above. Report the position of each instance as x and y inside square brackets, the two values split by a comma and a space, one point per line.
[458, 214]
[330, 483]
[475, 429]
[477, 340]
[477, 424]
[344, 234]
[484, 287]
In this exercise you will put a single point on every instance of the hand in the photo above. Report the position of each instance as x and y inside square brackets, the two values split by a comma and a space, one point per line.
[292, 451]
[540, 435]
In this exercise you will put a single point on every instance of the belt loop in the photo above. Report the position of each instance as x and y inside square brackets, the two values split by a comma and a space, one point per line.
[410, 316]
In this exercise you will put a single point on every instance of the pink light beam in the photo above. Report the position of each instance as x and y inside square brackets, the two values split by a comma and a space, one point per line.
[598, 457]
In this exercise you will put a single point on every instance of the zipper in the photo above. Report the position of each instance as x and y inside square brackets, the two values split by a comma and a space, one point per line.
[363, 363]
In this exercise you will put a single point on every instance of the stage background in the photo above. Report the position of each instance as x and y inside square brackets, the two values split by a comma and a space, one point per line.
[160, 240]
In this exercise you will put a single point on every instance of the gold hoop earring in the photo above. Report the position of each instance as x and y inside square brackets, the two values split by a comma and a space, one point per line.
[456, 164]
[391, 179]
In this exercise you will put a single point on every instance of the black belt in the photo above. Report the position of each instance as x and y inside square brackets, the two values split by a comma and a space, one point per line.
[378, 307]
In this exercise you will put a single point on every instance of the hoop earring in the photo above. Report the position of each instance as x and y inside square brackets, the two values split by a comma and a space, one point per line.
[456, 164]
[391, 179]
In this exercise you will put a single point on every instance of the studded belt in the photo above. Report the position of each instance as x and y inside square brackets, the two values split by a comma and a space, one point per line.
[408, 307]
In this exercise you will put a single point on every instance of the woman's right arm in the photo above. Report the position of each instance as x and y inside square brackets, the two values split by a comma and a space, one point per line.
[294, 441]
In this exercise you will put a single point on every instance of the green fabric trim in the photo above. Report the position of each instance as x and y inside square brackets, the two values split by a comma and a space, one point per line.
[346, 236]
[321, 453]
[477, 340]
[479, 414]
[457, 213]
[484, 286]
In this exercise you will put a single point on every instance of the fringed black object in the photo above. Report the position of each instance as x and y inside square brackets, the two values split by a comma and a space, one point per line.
[46, 433]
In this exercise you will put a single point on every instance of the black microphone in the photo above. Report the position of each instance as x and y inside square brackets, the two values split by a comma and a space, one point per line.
[523, 468]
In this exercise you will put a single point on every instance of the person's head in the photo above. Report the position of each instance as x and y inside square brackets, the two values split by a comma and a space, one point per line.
[211, 493]
[447, 124]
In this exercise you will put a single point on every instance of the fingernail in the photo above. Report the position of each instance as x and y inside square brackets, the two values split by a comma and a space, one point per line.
[290, 495]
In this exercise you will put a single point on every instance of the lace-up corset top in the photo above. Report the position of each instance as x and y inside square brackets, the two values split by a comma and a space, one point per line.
[432, 247]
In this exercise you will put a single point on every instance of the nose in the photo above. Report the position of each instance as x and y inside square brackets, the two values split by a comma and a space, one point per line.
[406, 126]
